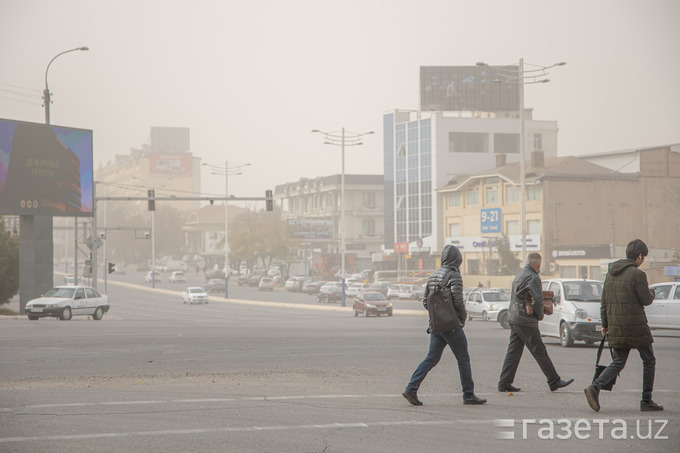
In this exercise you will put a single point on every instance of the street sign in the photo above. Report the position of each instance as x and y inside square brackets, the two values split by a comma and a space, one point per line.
[97, 242]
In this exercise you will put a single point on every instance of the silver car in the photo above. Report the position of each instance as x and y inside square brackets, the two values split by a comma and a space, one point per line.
[195, 295]
[63, 302]
[664, 312]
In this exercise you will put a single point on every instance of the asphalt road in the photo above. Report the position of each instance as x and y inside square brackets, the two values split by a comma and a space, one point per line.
[156, 375]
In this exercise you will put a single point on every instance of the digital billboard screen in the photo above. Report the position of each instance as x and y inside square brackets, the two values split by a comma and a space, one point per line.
[468, 88]
[45, 169]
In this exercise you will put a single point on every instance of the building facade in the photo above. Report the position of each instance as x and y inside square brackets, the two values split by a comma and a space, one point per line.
[313, 208]
[423, 151]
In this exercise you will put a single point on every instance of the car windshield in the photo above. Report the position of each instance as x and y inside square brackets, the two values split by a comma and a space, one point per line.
[196, 290]
[60, 292]
[373, 296]
[495, 297]
[583, 291]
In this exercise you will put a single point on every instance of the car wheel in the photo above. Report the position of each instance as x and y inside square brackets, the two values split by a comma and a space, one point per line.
[485, 317]
[566, 339]
[185, 301]
[365, 313]
[503, 320]
[98, 314]
[469, 317]
[356, 313]
[33, 317]
[65, 314]
[389, 314]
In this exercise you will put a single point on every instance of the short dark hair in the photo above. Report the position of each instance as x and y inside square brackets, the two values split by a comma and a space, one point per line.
[636, 248]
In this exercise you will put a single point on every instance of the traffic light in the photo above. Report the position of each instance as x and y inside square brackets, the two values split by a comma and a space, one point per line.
[270, 200]
[152, 203]
[112, 268]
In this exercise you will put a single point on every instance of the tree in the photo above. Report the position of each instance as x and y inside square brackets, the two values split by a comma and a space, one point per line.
[9, 264]
[259, 236]
[510, 264]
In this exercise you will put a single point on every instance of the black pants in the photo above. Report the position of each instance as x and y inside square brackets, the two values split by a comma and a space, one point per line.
[620, 356]
[530, 337]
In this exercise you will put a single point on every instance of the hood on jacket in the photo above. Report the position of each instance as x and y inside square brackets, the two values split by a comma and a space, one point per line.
[451, 256]
[619, 266]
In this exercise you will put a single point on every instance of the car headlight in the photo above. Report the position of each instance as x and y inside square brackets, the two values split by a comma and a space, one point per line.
[495, 307]
[581, 314]
[390, 304]
[370, 306]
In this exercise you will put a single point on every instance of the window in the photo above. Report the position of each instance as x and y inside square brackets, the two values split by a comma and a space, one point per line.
[454, 199]
[473, 267]
[533, 227]
[538, 142]
[463, 142]
[369, 227]
[472, 197]
[369, 200]
[492, 195]
[511, 195]
[512, 227]
[533, 193]
[454, 230]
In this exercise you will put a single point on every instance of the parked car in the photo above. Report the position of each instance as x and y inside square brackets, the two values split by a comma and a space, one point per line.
[294, 284]
[254, 280]
[354, 289]
[372, 303]
[266, 284]
[152, 276]
[195, 294]
[330, 292]
[393, 292]
[177, 277]
[576, 316]
[407, 292]
[243, 280]
[499, 312]
[664, 312]
[380, 287]
[63, 302]
[214, 274]
[312, 286]
[480, 301]
[214, 285]
[420, 292]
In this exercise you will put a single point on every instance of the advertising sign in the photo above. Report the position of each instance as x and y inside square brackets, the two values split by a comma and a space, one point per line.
[301, 228]
[170, 164]
[491, 220]
[467, 88]
[45, 170]
[482, 244]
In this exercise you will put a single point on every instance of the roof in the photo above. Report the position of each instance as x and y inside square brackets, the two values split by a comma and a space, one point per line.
[569, 167]
[332, 180]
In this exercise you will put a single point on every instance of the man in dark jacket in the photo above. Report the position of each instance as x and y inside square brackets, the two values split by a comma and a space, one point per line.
[624, 297]
[451, 259]
[524, 328]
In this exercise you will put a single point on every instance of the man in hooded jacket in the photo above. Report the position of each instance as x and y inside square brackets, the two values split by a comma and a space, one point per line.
[455, 339]
[624, 296]
[524, 328]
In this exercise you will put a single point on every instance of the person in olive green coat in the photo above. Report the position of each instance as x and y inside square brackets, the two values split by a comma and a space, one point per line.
[624, 297]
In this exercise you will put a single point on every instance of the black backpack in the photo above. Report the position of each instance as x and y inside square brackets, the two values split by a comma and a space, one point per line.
[443, 316]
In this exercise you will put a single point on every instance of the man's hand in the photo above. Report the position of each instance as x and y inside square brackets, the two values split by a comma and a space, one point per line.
[605, 331]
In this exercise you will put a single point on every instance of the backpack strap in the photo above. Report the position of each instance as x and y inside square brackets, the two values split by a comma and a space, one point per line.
[447, 277]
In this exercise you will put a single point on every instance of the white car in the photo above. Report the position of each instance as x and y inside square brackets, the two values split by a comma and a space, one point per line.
[177, 277]
[152, 276]
[576, 316]
[481, 302]
[664, 312]
[408, 292]
[195, 295]
[354, 289]
[393, 292]
[63, 302]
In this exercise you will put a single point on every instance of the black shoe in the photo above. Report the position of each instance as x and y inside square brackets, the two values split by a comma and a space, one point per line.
[593, 397]
[649, 406]
[474, 399]
[508, 388]
[560, 384]
[412, 397]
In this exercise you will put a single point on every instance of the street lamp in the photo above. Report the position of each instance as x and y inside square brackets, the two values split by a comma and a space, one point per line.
[520, 77]
[342, 138]
[226, 171]
[46, 93]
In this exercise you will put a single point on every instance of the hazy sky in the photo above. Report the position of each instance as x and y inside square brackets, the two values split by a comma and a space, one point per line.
[252, 78]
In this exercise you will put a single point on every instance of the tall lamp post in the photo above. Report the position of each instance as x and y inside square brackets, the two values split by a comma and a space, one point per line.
[342, 138]
[46, 92]
[226, 171]
[520, 77]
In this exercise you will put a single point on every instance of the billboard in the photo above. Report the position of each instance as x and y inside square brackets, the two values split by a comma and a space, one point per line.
[468, 88]
[45, 170]
[310, 228]
[170, 164]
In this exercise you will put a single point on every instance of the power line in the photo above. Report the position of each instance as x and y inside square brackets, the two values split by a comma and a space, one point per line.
[21, 88]
[20, 100]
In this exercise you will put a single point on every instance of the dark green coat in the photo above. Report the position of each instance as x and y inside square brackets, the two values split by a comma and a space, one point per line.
[624, 297]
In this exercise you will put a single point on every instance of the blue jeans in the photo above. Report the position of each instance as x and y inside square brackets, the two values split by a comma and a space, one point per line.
[458, 344]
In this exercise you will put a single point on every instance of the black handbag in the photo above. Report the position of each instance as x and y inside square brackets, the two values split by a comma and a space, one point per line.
[600, 368]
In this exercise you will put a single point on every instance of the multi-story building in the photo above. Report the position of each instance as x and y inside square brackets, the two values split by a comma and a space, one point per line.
[423, 151]
[579, 215]
[313, 208]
